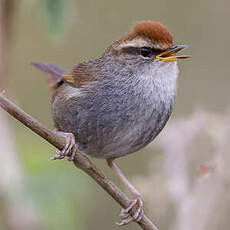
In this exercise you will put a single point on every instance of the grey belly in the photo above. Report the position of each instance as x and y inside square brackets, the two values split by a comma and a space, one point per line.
[107, 132]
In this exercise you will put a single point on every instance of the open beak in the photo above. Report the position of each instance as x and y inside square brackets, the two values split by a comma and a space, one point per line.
[168, 55]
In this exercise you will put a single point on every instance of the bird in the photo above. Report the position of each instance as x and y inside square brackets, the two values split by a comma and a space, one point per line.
[117, 104]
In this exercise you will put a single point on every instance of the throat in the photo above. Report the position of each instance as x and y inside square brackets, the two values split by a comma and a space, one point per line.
[160, 82]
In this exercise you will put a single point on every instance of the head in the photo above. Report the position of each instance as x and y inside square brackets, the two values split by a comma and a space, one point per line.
[148, 45]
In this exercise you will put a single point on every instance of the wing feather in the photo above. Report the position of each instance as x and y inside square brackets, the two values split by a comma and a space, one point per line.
[83, 73]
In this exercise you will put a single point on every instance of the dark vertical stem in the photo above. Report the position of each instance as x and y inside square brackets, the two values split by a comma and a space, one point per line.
[6, 18]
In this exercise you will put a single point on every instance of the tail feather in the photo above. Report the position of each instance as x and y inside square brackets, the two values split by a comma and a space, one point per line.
[53, 71]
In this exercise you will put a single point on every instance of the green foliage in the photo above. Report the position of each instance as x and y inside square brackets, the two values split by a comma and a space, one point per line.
[55, 188]
[57, 13]
[58, 202]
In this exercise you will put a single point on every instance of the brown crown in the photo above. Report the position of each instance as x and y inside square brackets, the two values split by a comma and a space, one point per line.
[157, 33]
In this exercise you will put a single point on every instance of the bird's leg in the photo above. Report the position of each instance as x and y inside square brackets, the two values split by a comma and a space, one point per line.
[136, 197]
[70, 148]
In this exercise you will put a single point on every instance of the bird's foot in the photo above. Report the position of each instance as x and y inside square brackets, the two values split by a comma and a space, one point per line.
[137, 204]
[70, 148]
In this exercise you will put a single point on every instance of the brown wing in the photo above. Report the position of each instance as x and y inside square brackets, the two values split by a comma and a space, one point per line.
[83, 73]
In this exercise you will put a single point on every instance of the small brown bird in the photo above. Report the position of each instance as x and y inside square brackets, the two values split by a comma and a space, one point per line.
[118, 103]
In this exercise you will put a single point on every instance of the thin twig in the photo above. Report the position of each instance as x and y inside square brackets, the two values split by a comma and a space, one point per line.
[80, 161]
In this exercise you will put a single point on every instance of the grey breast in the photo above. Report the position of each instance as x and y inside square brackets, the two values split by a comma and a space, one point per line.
[115, 119]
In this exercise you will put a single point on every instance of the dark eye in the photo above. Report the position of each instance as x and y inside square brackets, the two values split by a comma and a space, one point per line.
[145, 51]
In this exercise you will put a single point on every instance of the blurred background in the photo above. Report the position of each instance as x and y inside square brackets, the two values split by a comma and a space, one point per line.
[183, 175]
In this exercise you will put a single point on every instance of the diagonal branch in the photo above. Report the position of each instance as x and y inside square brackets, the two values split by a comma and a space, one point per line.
[80, 161]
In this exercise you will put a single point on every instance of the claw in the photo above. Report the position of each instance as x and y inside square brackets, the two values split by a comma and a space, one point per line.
[74, 151]
[138, 214]
[123, 215]
[125, 222]
[70, 148]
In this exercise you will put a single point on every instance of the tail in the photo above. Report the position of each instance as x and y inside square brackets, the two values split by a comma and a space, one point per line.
[53, 71]
[55, 75]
